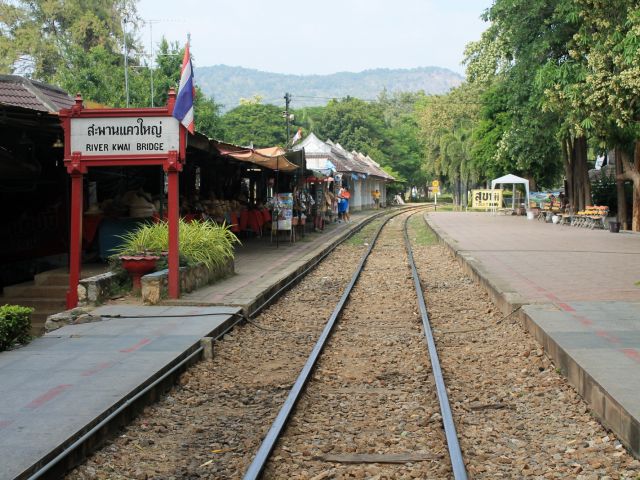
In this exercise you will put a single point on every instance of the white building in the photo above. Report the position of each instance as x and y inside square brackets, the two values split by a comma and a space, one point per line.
[359, 172]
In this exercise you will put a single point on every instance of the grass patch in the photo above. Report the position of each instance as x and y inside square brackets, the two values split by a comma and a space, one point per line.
[364, 235]
[446, 208]
[419, 233]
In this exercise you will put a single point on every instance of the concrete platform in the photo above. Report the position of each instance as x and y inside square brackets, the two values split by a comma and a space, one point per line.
[263, 267]
[61, 385]
[578, 294]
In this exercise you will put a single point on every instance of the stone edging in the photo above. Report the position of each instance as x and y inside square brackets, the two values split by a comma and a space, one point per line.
[154, 284]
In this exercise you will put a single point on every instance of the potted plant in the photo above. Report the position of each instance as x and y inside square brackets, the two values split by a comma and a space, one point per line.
[138, 265]
[201, 242]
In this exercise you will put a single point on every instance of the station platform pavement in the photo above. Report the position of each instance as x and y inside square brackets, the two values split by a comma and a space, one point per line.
[67, 388]
[263, 266]
[576, 290]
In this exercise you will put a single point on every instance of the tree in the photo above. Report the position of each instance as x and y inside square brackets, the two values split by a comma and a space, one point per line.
[505, 62]
[39, 37]
[446, 126]
[356, 125]
[608, 46]
[255, 123]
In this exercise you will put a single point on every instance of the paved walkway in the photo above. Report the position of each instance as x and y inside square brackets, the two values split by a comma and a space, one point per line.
[262, 266]
[61, 385]
[65, 384]
[580, 296]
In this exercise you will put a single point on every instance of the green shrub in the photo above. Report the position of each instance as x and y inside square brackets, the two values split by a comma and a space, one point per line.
[200, 242]
[15, 325]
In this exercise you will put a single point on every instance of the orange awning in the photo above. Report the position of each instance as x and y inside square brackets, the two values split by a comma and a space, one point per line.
[271, 157]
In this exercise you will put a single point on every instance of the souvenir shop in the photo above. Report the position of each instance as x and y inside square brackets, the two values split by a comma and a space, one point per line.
[221, 182]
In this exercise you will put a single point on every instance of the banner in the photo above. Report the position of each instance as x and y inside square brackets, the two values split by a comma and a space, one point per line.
[284, 205]
[486, 198]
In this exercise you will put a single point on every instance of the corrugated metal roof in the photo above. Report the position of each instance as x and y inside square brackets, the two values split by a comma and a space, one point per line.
[21, 92]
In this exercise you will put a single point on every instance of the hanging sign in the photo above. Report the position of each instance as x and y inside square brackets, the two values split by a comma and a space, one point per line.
[486, 198]
[115, 136]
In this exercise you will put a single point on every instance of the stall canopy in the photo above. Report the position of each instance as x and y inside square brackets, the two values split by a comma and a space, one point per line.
[322, 166]
[513, 180]
[271, 157]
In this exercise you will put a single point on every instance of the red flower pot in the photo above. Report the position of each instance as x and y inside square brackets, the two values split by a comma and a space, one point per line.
[137, 266]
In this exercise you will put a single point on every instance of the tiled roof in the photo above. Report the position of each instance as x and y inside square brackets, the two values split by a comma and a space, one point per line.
[373, 168]
[343, 160]
[21, 92]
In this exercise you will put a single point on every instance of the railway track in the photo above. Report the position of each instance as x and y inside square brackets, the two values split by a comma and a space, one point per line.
[369, 393]
[371, 399]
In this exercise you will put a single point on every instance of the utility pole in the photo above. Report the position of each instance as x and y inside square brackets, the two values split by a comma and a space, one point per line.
[152, 60]
[287, 116]
[126, 55]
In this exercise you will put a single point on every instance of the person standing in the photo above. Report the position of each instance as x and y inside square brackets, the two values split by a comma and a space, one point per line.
[346, 196]
[341, 204]
[376, 198]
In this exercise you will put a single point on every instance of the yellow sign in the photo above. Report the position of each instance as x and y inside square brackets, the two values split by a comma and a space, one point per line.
[435, 183]
[486, 198]
[434, 189]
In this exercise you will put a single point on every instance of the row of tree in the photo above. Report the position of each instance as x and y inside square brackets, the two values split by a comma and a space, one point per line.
[550, 84]
[81, 46]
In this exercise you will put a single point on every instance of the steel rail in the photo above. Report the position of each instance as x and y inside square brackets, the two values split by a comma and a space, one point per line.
[56, 461]
[269, 442]
[129, 402]
[457, 462]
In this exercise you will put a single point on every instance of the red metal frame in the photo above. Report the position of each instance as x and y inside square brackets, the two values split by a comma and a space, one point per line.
[77, 165]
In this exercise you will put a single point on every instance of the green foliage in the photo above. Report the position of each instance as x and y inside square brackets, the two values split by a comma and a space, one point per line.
[200, 242]
[446, 125]
[354, 124]
[78, 44]
[36, 36]
[15, 325]
[262, 125]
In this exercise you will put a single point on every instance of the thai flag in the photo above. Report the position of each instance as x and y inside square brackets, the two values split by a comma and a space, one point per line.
[297, 136]
[183, 109]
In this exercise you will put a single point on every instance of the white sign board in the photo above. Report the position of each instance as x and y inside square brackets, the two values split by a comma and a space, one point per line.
[124, 135]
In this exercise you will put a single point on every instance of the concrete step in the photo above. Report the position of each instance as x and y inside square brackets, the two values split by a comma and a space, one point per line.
[38, 320]
[32, 290]
[39, 304]
[52, 277]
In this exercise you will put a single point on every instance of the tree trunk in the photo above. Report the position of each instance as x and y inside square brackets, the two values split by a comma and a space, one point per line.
[621, 197]
[568, 172]
[632, 172]
[635, 215]
[465, 197]
[581, 172]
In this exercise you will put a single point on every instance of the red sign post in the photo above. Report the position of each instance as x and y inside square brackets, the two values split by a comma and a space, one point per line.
[111, 137]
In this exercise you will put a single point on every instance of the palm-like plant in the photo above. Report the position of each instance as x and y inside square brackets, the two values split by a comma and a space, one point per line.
[200, 242]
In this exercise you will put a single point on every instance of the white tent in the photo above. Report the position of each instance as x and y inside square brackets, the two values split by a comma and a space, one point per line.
[512, 179]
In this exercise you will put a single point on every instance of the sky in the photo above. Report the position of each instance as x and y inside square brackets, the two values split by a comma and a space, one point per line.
[318, 37]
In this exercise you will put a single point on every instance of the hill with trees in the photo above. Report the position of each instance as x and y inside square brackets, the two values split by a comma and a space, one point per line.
[230, 84]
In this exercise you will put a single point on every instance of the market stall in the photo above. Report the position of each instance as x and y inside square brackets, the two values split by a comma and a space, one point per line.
[513, 180]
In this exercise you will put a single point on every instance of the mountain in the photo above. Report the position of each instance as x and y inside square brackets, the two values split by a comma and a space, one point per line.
[228, 84]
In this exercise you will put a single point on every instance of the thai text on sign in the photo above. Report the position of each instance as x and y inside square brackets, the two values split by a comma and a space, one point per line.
[486, 198]
[124, 135]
